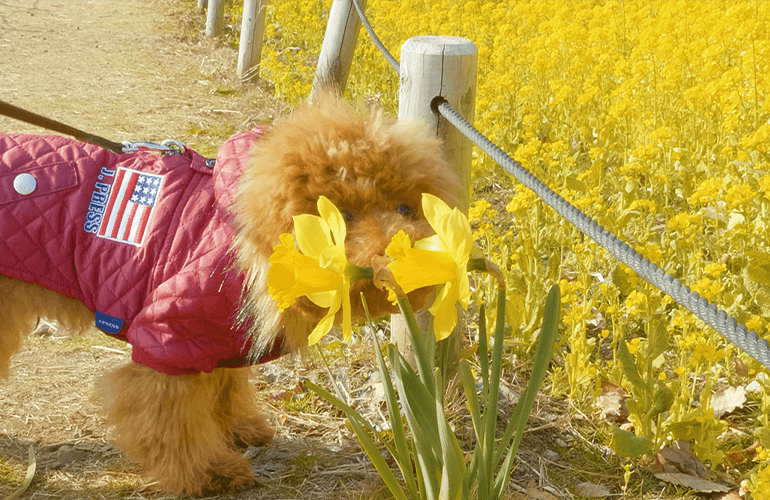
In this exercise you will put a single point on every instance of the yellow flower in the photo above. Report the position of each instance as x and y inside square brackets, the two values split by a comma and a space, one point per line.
[633, 345]
[706, 287]
[441, 259]
[523, 200]
[755, 323]
[739, 195]
[715, 270]
[706, 191]
[704, 352]
[764, 184]
[318, 270]
[636, 303]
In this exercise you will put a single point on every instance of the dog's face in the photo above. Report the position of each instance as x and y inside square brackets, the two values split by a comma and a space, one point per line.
[374, 170]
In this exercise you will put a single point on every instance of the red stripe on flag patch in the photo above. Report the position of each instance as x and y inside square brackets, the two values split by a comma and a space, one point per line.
[132, 202]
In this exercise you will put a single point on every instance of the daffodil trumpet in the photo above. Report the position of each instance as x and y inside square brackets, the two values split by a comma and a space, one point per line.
[441, 259]
[316, 267]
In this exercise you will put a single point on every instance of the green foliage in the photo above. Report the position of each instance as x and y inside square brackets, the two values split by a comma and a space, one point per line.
[429, 457]
[652, 117]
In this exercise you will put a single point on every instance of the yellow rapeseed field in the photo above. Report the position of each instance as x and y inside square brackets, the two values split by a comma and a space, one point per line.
[654, 118]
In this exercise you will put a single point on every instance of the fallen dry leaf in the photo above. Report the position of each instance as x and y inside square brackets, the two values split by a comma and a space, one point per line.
[612, 402]
[539, 494]
[692, 482]
[740, 457]
[591, 490]
[728, 400]
[679, 458]
[741, 369]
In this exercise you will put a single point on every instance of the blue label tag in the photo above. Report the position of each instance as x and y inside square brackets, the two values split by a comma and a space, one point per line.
[108, 323]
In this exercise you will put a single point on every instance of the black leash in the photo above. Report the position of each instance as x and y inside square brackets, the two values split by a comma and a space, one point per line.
[41, 121]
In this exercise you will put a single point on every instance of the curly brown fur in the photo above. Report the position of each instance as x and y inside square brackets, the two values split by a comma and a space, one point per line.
[184, 428]
[373, 168]
[22, 304]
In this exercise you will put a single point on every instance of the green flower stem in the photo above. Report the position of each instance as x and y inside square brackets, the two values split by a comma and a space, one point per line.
[492, 397]
[485, 265]
[424, 346]
[401, 453]
[355, 273]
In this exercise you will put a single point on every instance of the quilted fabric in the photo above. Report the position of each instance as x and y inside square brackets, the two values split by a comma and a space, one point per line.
[138, 238]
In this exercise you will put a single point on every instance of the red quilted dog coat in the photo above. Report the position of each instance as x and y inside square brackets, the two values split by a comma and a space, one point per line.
[143, 241]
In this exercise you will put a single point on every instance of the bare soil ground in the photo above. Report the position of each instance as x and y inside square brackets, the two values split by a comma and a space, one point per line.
[122, 69]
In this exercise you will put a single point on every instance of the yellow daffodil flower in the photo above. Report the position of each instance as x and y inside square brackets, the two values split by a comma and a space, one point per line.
[441, 259]
[318, 270]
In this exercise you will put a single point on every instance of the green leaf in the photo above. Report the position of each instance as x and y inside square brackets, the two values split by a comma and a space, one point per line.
[629, 445]
[28, 478]
[401, 453]
[421, 418]
[474, 408]
[657, 338]
[359, 424]
[423, 346]
[622, 280]
[514, 431]
[661, 401]
[453, 471]
[759, 267]
[576, 184]
[629, 368]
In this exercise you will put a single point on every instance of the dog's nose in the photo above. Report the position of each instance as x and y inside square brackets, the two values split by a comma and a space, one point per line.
[366, 238]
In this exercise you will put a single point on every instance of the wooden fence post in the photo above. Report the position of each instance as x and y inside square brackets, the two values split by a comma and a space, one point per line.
[202, 6]
[215, 18]
[252, 33]
[338, 47]
[446, 66]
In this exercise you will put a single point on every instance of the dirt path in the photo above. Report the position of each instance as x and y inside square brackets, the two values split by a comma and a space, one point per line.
[119, 68]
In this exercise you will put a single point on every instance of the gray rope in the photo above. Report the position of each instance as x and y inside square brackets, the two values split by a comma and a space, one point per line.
[747, 341]
[375, 38]
[736, 333]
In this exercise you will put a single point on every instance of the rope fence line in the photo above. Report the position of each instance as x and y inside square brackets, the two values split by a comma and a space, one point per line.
[736, 333]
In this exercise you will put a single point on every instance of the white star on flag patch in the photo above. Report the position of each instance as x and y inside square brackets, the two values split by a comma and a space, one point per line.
[132, 201]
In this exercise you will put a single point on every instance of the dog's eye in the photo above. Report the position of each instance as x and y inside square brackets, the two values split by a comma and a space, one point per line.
[347, 216]
[406, 211]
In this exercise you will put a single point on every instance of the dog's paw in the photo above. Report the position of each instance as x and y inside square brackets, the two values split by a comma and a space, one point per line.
[227, 484]
[252, 430]
[229, 477]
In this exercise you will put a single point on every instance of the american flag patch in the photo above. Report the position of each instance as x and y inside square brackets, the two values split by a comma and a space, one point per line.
[130, 207]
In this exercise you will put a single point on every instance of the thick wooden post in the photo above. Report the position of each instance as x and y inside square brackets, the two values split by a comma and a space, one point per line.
[446, 66]
[338, 47]
[215, 18]
[252, 33]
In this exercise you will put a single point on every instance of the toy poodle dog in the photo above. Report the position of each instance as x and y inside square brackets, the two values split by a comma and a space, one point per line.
[170, 252]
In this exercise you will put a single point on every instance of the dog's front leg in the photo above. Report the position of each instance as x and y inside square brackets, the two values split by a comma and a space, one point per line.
[179, 426]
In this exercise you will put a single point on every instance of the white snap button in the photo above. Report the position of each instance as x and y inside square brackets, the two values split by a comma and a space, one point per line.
[24, 183]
